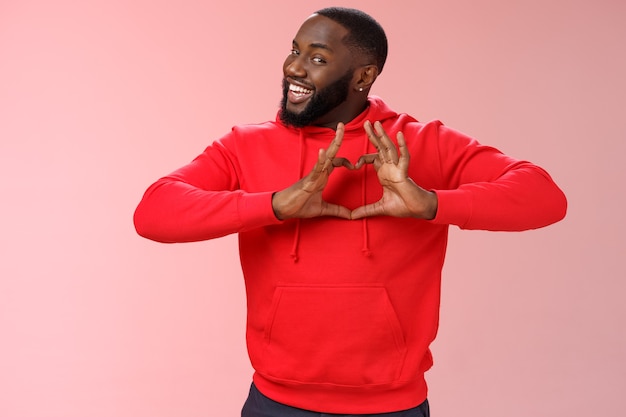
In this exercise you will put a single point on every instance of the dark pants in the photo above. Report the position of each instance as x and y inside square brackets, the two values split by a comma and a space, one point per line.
[258, 405]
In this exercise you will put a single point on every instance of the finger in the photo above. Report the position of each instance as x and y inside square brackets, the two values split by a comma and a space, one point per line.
[388, 148]
[335, 210]
[368, 158]
[404, 150]
[335, 144]
[323, 166]
[385, 147]
[343, 162]
[371, 135]
[322, 160]
[369, 210]
[333, 148]
[375, 140]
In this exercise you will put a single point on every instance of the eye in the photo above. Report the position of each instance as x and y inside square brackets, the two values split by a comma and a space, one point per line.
[319, 60]
[294, 52]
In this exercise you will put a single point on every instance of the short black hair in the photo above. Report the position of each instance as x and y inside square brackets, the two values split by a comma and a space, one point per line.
[365, 34]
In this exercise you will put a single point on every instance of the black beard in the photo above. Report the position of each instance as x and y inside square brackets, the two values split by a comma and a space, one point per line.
[322, 102]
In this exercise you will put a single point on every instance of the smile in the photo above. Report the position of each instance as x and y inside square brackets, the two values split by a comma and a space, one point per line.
[297, 90]
[298, 94]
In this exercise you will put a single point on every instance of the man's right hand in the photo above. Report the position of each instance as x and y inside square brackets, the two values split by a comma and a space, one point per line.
[304, 198]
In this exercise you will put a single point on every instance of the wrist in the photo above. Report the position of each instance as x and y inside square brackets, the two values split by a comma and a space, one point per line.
[274, 208]
[424, 203]
[431, 207]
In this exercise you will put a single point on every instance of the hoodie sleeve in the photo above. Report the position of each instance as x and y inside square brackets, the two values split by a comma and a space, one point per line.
[201, 201]
[485, 189]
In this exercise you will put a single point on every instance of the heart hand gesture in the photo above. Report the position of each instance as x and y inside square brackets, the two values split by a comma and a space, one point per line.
[401, 196]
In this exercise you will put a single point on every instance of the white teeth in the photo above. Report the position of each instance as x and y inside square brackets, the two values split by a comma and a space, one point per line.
[298, 89]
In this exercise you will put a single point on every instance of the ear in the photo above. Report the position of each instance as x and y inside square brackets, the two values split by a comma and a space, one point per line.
[366, 75]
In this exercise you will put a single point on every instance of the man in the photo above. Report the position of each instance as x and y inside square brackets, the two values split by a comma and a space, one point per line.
[343, 230]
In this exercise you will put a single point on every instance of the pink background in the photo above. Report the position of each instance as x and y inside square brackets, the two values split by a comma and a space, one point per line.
[100, 98]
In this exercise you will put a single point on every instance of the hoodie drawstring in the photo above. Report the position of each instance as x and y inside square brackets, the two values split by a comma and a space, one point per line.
[296, 235]
[364, 229]
[365, 233]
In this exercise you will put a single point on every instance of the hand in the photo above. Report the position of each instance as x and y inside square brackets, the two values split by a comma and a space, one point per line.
[401, 196]
[304, 198]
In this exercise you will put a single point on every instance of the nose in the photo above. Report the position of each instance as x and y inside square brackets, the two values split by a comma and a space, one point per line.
[293, 67]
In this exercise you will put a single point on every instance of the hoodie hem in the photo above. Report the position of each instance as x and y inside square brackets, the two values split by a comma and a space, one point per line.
[340, 399]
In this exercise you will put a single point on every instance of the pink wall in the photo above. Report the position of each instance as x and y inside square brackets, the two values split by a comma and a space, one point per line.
[99, 98]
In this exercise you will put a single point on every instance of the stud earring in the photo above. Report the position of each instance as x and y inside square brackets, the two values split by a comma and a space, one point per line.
[361, 89]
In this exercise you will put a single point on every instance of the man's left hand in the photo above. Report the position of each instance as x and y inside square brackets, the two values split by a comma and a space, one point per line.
[401, 196]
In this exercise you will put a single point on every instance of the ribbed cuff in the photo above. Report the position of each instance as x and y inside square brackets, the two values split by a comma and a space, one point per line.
[453, 207]
[255, 210]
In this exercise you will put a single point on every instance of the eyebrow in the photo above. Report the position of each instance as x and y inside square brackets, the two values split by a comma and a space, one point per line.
[315, 45]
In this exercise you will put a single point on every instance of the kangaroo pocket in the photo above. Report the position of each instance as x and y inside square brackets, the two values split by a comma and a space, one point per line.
[342, 335]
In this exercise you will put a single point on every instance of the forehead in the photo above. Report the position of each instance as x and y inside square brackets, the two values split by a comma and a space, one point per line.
[318, 31]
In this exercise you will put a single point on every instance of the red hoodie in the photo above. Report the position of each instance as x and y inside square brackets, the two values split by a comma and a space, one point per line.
[341, 313]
